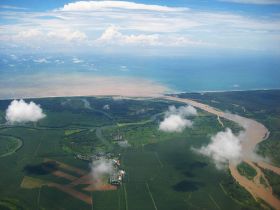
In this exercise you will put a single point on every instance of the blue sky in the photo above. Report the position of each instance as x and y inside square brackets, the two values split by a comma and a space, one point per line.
[267, 6]
[160, 26]
[180, 45]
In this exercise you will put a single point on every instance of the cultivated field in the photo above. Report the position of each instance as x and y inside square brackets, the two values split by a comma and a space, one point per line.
[162, 171]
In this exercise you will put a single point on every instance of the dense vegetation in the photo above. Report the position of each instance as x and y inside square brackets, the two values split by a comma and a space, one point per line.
[163, 172]
[238, 193]
[246, 170]
[274, 181]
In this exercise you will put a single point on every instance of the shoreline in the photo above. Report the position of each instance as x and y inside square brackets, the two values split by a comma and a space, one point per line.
[152, 96]
[224, 91]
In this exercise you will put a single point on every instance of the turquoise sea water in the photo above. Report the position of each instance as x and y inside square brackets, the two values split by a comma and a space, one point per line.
[218, 73]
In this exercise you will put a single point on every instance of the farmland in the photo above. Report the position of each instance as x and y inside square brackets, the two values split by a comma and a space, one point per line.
[162, 170]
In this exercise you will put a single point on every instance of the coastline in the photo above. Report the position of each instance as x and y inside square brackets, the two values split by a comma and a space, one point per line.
[224, 91]
[148, 96]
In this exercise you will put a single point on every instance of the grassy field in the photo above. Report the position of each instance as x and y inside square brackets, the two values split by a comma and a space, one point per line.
[163, 172]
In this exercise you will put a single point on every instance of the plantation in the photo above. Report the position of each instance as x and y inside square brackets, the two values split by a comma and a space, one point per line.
[162, 169]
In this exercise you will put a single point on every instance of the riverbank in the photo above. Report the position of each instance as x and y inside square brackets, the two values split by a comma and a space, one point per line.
[254, 133]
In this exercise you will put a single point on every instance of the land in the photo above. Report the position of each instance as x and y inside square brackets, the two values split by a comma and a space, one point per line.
[246, 170]
[9, 145]
[162, 171]
[261, 105]
[255, 133]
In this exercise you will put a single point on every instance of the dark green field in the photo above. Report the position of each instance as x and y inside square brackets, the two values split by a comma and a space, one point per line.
[163, 172]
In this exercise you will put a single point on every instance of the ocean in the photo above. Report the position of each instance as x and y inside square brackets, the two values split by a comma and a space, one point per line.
[180, 74]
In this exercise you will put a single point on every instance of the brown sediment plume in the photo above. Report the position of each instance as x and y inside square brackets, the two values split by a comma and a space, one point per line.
[254, 133]
[78, 84]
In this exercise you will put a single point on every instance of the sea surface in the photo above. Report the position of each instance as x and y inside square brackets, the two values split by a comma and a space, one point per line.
[181, 73]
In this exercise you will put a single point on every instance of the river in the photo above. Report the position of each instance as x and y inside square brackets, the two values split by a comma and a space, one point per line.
[254, 133]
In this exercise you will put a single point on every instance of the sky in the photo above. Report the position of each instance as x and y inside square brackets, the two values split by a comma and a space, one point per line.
[140, 47]
[137, 27]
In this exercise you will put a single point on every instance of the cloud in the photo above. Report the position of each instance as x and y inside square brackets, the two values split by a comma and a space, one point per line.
[14, 57]
[112, 35]
[19, 112]
[101, 168]
[77, 60]
[41, 60]
[67, 35]
[103, 5]
[175, 121]
[9, 7]
[224, 147]
[78, 25]
[57, 61]
[183, 111]
[50, 36]
[106, 107]
[124, 68]
[261, 2]
[29, 34]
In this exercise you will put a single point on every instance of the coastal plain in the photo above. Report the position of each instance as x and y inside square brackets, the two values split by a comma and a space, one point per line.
[162, 170]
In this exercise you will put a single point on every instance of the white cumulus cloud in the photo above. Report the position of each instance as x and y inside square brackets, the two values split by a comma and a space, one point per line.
[182, 111]
[67, 35]
[101, 167]
[113, 36]
[175, 119]
[174, 123]
[106, 107]
[41, 60]
[77, 60]
[51, 35]
[29, 34]
[20, 111]
[224, 147]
